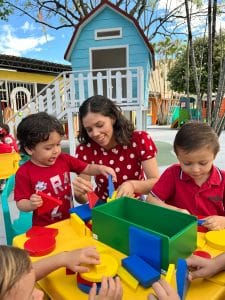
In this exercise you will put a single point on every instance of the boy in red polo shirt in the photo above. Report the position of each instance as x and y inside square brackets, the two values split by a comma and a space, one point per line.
[194, 185]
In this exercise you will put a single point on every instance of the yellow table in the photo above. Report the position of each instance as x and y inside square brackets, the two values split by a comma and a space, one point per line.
[60, 286]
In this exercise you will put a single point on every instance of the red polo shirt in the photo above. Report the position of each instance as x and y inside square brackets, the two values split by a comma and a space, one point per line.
[178, 189]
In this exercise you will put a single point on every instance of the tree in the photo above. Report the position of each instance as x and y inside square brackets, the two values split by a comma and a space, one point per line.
[176, 75]
[156, 17]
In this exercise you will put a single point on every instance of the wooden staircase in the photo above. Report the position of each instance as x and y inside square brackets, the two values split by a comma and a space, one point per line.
[65, 94]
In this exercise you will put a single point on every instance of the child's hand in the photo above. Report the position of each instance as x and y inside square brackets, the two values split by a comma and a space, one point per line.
[111, 289]
[73, 260]
[82, 186]
[35, 201]
[163, 291]
[214, 222]
[201, 267]
[125, 189]
[104, 170]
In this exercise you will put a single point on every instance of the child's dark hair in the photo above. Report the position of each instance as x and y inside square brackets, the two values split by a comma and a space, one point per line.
[36, 128]
[195, 135]
[123, 128]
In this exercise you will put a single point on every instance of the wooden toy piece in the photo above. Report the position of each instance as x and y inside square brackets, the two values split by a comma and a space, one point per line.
[141, 270]
[127, 278]
[216, 239]
[38, 230]
[49, 203]
[111, 188]
[78, 225]
[201, 253]
[92, 199]
[107, 267]
[182, 278]
[170, 273]
[145, 245]
[40, 245]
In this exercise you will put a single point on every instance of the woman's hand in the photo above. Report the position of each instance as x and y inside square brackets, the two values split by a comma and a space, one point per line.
[126, 189]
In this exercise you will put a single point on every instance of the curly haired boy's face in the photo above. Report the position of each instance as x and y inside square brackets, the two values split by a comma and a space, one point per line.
[45, 153]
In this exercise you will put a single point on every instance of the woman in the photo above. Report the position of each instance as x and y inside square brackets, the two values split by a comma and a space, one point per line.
[107, 137]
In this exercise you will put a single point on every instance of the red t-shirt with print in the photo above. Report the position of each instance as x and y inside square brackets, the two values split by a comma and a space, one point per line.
[53, 180]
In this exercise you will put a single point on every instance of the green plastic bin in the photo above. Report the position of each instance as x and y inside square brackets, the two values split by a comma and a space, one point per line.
[178, 231]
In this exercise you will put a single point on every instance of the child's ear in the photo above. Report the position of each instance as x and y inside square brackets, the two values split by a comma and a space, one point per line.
[29, 151]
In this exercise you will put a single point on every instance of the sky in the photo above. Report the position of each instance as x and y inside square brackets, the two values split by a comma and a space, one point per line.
[20, 36]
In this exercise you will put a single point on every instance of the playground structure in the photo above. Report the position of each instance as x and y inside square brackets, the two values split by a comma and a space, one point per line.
[184, 112]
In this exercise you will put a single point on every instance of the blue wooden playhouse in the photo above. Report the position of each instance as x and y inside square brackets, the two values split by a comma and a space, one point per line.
[111, 56]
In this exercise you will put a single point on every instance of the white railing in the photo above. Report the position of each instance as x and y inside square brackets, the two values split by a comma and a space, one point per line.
[65, 94]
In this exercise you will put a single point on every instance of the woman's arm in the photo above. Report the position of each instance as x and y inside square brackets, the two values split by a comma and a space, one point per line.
[129, 187]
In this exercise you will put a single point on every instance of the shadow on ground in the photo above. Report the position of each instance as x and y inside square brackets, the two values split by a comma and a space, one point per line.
[165, 155]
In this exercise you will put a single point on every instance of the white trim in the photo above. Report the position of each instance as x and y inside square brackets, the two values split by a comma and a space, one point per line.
[110, 37]
[109, 47]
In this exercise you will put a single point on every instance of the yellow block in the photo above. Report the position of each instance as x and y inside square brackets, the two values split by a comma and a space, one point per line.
[78, 225]
[218, 278]
[127, 278]
[201, 240]
[107, 267]
[170, 273]
[114, 196]
[9, 163]
[216, 239]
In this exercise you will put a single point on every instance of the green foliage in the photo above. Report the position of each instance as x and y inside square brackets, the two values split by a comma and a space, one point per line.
[5, 11]
[177, 73]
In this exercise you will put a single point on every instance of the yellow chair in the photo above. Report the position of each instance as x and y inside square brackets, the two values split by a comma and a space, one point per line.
[9, 163]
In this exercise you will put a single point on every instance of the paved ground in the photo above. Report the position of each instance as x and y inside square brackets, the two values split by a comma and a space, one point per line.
[163, 137]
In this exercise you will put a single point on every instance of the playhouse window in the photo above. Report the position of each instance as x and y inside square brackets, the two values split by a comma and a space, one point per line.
[109, 33]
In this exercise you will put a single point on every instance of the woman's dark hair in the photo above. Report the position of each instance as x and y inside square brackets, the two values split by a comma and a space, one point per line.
[195, 135]
[122, 128]
[36, 128]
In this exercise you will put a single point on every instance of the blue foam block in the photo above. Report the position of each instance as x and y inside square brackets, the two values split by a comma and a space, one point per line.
[86, 288]
[141, 270]
[182, 278]
[111, 188]
[83, 211]
[145, 245]
[200, 222]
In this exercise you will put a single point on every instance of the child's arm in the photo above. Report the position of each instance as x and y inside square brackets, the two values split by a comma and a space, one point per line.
[71, 259]
[153, 200]
[204, 267]
[214, 222]
[111, 289]
[31, 204]
[94, 169]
